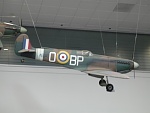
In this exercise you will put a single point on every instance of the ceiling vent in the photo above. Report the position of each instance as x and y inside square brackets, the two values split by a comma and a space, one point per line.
[123, 7]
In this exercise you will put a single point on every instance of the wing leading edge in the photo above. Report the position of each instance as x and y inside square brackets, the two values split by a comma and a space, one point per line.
[107, 73]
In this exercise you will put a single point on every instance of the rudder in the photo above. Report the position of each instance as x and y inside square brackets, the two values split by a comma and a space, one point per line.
[22, 43]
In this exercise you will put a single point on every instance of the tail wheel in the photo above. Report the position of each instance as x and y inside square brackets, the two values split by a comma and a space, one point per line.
[22, 60]
[109, 87]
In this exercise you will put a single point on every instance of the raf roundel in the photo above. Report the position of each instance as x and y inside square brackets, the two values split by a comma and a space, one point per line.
[63, 57]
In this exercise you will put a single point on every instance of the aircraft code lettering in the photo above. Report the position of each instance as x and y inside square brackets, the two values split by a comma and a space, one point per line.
[73, 59]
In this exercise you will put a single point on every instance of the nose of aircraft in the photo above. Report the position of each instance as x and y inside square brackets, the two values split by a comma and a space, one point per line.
[136, 65]
[23, 30]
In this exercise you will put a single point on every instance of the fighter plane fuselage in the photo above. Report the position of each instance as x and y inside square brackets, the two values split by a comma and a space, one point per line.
[99, 66]
[82, 60]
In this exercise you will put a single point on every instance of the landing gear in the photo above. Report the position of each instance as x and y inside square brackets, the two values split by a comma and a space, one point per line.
[102, 82]
[109, 87]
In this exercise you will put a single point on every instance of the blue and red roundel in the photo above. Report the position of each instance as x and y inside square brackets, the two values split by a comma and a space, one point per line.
[63, 57]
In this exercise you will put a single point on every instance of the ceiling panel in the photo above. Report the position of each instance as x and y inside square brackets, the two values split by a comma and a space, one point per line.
[145, 31]
[145, 9]
[27, 23]
[70, 3]
[127, 24]
[101, 15]
[93, 28]
[118, 16]
[144, 25]
[26, 16]
[80, 21]
[94, 22]
[9, 10]
[77, 26]
[80, 14]
[62, 19]
[88, 5]
[109, 0]
[84, 13]
[132, 17]
[110, 23]
[33, 8]
[54, 3]
[67, 11]
[145, 2]
[33, 2]
[13, 1]
[145, 18]
[49, 10]
[104, 6]
[46, 18]
[127, 30]
[44, 24]
[129, 1]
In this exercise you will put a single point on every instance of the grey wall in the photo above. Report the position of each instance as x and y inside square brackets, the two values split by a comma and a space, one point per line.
[88, 40]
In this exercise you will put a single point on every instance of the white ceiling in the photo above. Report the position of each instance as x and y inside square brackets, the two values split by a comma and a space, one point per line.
[80, 14]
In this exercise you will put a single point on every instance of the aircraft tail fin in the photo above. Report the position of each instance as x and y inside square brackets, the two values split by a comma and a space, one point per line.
[23, 45]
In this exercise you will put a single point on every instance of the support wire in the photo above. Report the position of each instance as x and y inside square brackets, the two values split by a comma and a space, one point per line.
[117, 34]
[117, 30]
[33, 24]
[136, 31]
[100, 28]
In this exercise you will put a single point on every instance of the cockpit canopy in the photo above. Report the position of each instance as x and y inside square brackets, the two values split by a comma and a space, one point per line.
[85, 53]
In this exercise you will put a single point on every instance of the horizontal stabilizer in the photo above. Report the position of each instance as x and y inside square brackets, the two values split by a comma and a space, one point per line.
[107, 73]
[26, 50]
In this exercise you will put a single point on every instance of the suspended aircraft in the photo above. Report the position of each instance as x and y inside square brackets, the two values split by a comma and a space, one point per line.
[9, 29]
[99, 66]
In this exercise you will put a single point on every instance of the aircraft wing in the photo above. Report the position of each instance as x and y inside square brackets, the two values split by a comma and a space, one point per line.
[26, 50]
[108, 73]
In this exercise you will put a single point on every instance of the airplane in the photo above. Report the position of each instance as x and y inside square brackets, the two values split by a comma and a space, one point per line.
[95, 65]
[9, 29]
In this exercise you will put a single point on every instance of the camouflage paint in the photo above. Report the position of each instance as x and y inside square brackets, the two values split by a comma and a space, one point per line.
[91, 61]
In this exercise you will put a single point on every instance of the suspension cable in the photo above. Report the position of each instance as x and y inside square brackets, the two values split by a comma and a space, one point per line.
[33, 24]
[100, 28]
[135, 41]
[117, 30]
[102, 38]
